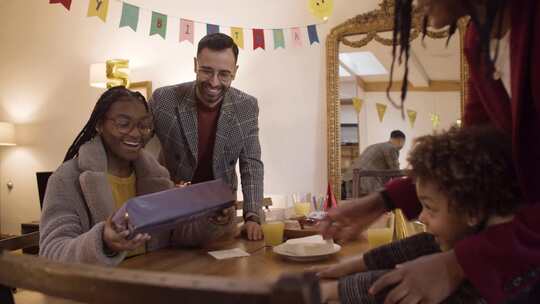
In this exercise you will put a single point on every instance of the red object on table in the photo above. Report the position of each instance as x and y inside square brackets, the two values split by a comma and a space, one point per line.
[330, 201]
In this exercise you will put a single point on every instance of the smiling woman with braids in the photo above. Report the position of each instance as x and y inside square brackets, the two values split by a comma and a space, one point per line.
[104, 167]
[502, 46]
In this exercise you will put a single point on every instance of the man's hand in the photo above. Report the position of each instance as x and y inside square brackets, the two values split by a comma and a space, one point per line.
[352, 218]
[115, 237]
[252, 230]
[429, 279]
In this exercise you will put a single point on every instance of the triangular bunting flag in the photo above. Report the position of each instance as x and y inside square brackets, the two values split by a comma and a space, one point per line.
[258, 39]
[130, 16]
[381, 110]
[412, 117]
[279, 39]
[65, 3]
[187, 30]
[237, 34]
[98, 8]
[159, 25]
[296, 37]
[212, 29]
[312, 33]
[357, 104]
[435, 120]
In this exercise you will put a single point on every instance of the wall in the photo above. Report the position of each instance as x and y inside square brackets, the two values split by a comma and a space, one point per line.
[371, 130]
[45, 56]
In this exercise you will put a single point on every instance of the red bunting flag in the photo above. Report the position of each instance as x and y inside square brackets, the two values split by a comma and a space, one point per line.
[258, 39]
[65, 3]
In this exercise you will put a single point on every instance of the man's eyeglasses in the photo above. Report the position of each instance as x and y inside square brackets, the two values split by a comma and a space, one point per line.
[125, 125]
[223, 76]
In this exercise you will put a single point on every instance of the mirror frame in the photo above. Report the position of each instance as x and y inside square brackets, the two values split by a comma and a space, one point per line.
[369, 24]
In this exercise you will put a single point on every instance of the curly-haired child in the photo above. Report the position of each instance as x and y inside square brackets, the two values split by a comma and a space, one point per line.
[466, 181]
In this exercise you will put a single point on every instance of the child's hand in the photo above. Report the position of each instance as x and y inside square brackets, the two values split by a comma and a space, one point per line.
[329, 291]
[355, 264]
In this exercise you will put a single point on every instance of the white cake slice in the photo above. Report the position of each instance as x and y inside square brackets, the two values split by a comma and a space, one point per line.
[308, 246]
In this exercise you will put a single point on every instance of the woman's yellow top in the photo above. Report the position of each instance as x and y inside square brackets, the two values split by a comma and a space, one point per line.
[124, 188]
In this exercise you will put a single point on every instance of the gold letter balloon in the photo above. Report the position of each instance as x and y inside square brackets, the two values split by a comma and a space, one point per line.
[117, 73]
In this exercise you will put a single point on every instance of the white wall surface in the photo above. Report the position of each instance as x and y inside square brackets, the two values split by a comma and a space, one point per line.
[45, 55]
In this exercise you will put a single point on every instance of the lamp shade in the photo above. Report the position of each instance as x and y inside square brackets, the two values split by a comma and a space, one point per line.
[7, 134]
[98, 75]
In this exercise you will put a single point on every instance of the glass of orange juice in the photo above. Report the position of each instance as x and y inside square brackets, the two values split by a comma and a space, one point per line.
[379, 236]
[302, 204]
[273, 232]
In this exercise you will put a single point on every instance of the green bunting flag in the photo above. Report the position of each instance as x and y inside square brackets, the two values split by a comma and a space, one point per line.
[159, 25]
[130, 16]
[279, 39]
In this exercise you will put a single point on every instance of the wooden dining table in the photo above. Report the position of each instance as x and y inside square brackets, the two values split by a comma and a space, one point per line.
[261, 264]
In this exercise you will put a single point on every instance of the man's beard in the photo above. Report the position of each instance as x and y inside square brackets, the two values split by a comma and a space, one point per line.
[202, 89]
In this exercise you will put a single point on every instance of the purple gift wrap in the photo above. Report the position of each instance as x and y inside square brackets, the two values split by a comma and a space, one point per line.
[162, 211]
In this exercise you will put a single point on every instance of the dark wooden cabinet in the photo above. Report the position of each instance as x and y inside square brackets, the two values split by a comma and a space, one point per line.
[27, 228]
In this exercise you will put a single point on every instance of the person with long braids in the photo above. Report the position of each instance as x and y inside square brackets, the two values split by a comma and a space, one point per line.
[104, 167]
[502, 46]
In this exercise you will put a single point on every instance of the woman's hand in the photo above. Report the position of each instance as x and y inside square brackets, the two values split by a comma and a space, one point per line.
[429, 279]
[335, 271]
[182, 184]
[115, 237]
[351, 218]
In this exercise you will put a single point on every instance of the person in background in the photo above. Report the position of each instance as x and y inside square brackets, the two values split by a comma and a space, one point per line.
[104, 167]
[502, 47]
[206, 127]
[380, 156]
[463, 182]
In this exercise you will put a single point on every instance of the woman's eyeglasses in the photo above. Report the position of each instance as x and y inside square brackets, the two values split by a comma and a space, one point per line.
[125, 125]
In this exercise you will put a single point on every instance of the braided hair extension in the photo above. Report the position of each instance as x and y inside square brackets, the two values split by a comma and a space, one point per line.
[103, 105]
[401, 32]
[403, 15]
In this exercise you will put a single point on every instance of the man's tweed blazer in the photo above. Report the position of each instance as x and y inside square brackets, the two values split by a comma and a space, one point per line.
[237, 139]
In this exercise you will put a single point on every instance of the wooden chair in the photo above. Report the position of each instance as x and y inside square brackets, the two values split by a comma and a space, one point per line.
[104, 285]
[266, 203]
[358, 174]
[402, 227]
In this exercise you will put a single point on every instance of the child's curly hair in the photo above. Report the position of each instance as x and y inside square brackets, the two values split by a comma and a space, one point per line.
[472, 166]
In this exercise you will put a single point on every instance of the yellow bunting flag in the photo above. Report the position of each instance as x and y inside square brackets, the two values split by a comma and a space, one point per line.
[237, 34]
[412, 117]
[357, 104]
[381, 110]
[435, 120]
[98, 8]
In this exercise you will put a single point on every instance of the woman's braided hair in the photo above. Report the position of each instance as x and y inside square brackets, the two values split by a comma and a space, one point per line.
[103, 105]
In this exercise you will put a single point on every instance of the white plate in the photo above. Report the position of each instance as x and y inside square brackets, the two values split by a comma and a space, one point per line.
[305, 258]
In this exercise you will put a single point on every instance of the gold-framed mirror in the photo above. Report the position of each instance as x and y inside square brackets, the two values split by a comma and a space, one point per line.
[437, 77]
